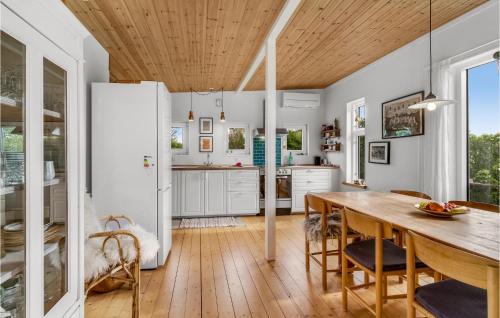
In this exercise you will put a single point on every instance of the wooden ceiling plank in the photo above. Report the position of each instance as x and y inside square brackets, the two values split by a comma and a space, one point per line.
[97, 23]
[363, 43]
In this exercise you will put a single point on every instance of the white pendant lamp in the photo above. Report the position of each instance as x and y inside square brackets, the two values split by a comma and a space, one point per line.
[431, 102]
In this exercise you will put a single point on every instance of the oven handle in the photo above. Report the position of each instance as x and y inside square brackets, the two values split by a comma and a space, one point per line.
[282, 177]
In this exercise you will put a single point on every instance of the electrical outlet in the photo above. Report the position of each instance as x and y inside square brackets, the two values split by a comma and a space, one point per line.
[218, 102]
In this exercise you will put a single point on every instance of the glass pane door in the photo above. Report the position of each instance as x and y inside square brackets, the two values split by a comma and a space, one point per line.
[483, 132]
[55, 208]
[12, 177]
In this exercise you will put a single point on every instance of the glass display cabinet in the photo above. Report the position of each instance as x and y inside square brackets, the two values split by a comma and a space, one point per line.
[39, 174]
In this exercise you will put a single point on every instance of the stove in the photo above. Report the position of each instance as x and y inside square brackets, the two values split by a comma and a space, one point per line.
[283, 190]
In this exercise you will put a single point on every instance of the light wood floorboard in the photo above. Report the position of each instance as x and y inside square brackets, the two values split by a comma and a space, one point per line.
[222, 272]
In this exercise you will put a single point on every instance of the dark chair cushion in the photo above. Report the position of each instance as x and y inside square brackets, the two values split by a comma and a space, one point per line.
[394, 259]
[452, 299]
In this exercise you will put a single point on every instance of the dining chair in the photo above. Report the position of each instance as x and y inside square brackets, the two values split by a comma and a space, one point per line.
[322, 222]
[415, 194]
[470, 291]
[378, 257]
[478, 205]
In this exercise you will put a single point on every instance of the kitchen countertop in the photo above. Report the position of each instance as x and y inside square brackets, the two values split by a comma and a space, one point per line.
[299, 167]
[213, 167]
[230, 167]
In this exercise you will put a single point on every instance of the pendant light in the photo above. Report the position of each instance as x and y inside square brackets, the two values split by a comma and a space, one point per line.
[222, 116]
[191, 116]
[431, 102]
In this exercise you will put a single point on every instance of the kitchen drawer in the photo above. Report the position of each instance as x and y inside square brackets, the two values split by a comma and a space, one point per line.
[243, 185]
[311, 185]
[242, 203]
[311, 174]
[243, 174]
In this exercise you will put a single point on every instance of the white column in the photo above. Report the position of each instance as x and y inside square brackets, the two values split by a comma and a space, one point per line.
[270, 203]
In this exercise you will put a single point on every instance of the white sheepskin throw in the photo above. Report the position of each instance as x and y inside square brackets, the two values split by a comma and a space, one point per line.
[97, 261]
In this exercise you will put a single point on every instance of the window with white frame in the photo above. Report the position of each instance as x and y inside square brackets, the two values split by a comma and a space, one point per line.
[355, 141]
[296, 139]
[179, 138]
[237, 139]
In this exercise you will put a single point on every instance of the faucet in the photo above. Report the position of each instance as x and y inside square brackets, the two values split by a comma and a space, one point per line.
[208, 163]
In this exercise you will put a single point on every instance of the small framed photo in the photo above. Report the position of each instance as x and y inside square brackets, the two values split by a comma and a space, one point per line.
[206, 144]
[206, 125]
[379, 152]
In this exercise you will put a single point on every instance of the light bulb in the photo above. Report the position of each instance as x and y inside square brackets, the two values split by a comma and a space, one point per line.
[431, 106]
[191, 116]
[222, 117]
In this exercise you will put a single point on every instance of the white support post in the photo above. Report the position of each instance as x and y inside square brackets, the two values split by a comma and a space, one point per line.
[270, 202]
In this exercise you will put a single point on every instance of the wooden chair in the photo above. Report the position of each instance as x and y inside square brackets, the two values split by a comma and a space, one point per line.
[128, 272]
[461, 296]
[415, 194]
[478, 205]
[378, 257]
[324, 209]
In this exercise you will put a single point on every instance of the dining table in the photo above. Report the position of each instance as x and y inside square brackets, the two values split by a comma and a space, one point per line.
[476, 232]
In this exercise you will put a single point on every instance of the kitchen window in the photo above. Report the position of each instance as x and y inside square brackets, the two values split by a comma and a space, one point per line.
[237, 139]
[179, 138]
[296, 139]
[355, 146]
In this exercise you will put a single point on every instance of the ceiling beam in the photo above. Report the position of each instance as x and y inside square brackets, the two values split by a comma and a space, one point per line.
[279, 24]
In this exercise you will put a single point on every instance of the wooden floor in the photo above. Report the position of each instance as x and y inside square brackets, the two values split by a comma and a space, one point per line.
[222, 272]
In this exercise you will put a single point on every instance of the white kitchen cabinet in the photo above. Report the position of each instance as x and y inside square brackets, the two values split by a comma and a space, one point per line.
[310, 180]
[193, 193]
[242, 203]
[215, 189]
[243, 192]
[215, 192]
[176, 193]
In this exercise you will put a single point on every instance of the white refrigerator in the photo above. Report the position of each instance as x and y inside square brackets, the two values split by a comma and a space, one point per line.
[131, 156]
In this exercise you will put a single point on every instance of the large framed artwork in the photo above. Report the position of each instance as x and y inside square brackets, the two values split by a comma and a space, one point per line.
[206, 144]
[399, 121]
[206, 125]
[379, 152]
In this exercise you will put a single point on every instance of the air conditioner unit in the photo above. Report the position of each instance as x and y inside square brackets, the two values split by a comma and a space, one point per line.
[301, 100]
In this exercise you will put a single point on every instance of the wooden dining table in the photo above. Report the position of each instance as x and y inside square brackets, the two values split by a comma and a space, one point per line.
[476, 232]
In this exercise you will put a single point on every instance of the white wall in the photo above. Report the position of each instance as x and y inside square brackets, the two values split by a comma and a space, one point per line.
[244, 107]
[398, 74]
[96, 69]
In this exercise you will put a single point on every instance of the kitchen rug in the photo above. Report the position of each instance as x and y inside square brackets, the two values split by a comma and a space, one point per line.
[197, 223]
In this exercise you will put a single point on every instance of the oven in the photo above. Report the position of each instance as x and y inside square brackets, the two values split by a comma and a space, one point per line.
[283, 191]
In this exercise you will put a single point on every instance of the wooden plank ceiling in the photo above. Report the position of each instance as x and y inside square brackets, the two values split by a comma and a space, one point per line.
[201, 44]
[197, 44]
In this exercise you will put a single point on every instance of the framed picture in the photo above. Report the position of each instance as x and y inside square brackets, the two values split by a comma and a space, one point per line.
[379, 152]
[398, 121]
[206, 144]
[206, 125]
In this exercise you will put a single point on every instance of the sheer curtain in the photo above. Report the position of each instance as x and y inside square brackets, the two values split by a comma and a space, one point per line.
[438, 162]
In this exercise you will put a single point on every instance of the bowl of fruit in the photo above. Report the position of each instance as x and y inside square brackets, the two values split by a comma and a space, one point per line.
[442, 210]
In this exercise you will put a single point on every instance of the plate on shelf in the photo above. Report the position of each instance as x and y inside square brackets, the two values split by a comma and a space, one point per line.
[13, 227]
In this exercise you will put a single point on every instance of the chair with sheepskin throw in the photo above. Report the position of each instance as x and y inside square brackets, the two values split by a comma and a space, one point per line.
[319, 225]
[115, 253]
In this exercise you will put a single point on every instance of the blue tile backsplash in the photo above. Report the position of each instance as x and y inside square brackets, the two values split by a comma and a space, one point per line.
[259, 151]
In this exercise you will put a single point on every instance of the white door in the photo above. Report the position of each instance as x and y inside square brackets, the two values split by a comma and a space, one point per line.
[176, 191]
[215, 190]
[242, 203]
[193, 199]
[165, 220]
